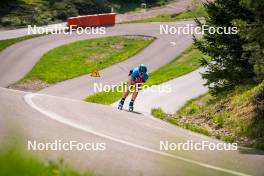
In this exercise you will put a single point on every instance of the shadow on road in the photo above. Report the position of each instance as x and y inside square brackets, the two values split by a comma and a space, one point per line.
[250, 151]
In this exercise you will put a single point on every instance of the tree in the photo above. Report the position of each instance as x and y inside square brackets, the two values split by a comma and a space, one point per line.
[253, 33]
[230, 62]
[86, 7]
[6, 6]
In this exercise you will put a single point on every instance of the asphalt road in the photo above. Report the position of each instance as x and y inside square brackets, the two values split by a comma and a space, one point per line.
[17, 60]
[14, 33]
[132, 140]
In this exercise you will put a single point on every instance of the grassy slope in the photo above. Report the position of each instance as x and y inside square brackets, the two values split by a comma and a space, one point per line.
[195, 13]
[6, 43]
[240, 110]
[158, 113]
[14, 161]
[185, 63]
[82, 57]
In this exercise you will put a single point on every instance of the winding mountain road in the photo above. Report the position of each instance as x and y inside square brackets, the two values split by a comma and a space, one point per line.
[132, 140]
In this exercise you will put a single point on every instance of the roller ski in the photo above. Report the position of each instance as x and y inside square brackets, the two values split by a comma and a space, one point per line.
[131, 106]
[121, 103]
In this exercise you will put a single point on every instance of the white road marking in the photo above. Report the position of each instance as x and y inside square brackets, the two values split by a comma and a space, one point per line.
[58, 118]
[173, 43]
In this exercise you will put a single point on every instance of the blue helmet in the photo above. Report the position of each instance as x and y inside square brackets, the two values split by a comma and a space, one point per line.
[142, 68]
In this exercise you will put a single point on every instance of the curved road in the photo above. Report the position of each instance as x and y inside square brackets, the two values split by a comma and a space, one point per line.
[132, 141]
[18, 59]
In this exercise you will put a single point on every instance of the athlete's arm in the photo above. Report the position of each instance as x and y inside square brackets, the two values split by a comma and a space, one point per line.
[134, 75]
[145, 77]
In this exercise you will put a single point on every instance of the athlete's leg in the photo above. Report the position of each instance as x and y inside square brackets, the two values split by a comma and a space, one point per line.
[134, 95]
[126, 93]
[129, 83]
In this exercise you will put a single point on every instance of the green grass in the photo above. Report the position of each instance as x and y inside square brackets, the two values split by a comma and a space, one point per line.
[160, 114]
[15, 161]
[105, 98]
[157, 112]
[195, 105]
[79, 58]
[196, 129]
[185, 63]
[220, 118]
[8, 42]
[227, 139]
[194, 13]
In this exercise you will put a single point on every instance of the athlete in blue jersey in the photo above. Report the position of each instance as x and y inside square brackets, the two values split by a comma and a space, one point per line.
[136, 76]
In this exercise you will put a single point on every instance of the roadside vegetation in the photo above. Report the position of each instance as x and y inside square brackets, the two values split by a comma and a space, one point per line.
[15, 161]
[158, 113]
[8, 42]
[82, 57]
[235, 115]
[183, 64]
[41, 12]
[232, 116]
[233, 110]
[20, 13]
[197, 12]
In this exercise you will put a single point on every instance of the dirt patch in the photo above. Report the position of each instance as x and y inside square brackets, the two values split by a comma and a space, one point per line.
[96, 57]
[117, 45]
[30, 85]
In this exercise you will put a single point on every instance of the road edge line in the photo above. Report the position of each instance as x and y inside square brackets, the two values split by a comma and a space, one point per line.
[28, 99]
